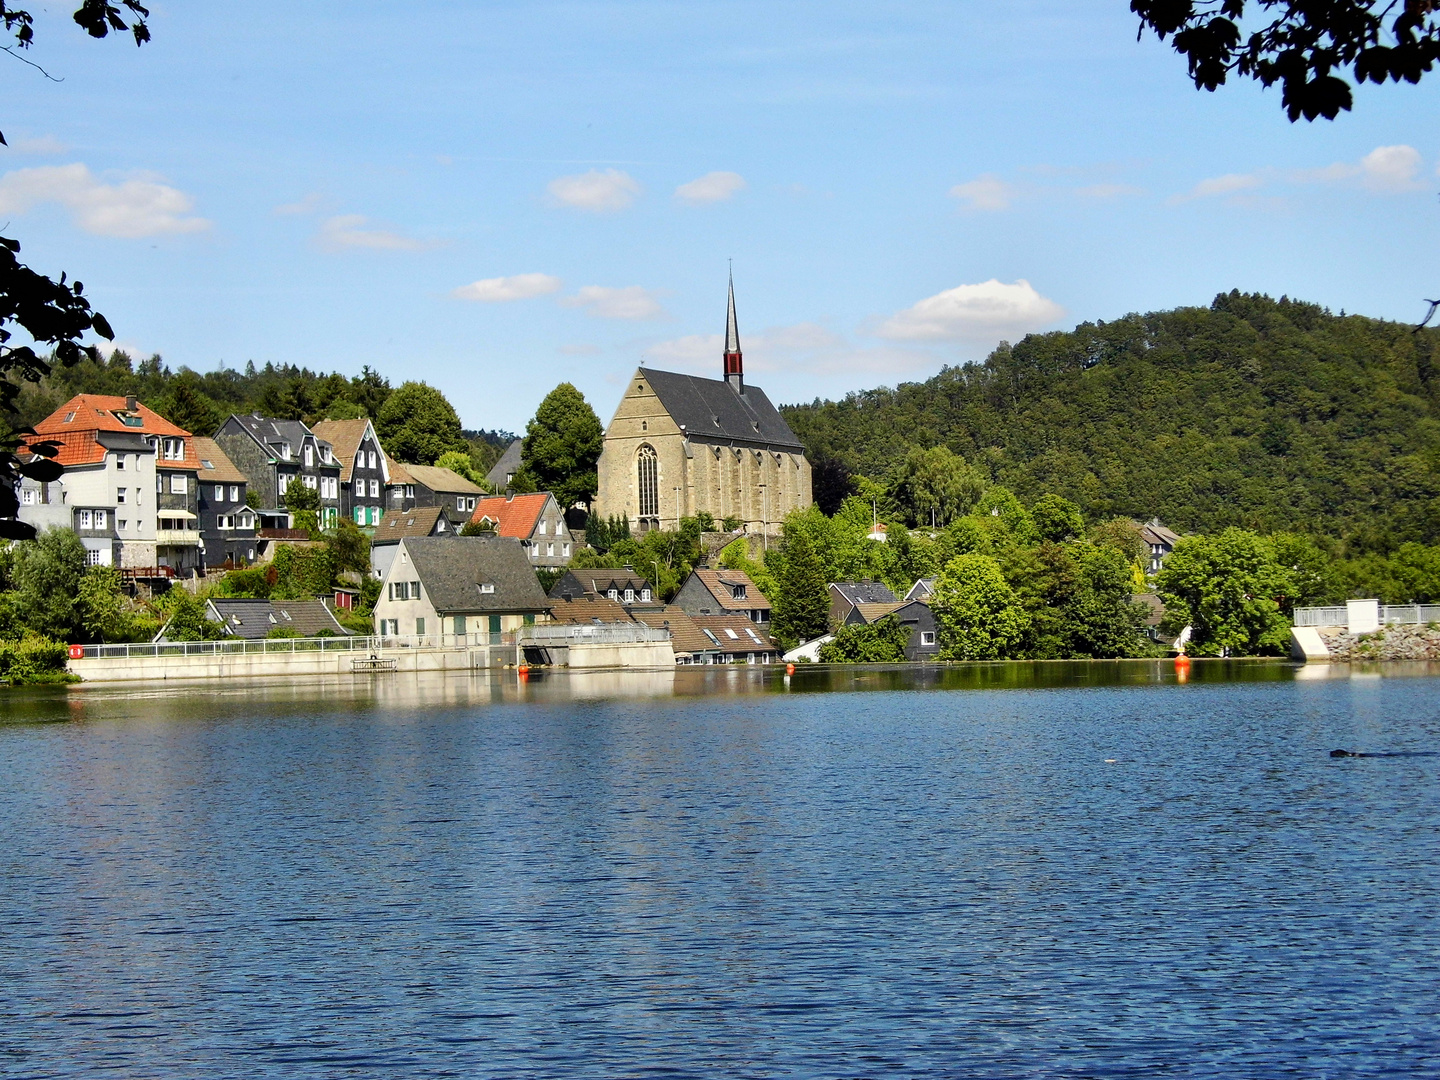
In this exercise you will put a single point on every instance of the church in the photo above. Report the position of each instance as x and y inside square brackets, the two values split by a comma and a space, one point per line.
[680, 445]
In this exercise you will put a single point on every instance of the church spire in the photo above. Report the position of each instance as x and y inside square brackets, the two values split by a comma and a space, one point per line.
[734, 365]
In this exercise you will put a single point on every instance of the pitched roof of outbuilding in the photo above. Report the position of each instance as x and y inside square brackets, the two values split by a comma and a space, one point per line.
[516, 515]
[445, 480]
[396, 525]
[253, 619]
[214, 465]
[452, 569]
[719, 582]
[710, 409]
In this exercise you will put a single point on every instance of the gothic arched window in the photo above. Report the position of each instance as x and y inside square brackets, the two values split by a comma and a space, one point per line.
[649, 471]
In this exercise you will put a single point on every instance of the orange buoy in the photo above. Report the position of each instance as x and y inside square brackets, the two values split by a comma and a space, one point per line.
[789, 669]
[1182, 661]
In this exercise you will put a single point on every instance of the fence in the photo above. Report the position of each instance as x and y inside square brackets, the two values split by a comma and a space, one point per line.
[580, 634]
[1390, 614]
[242, 646]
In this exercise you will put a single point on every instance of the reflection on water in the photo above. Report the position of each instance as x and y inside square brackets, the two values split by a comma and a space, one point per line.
[1025, 870]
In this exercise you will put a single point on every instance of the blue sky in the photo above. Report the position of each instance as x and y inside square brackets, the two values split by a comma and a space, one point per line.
[497, 197]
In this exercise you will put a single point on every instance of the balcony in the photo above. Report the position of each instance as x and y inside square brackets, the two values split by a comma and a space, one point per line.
[177, 537]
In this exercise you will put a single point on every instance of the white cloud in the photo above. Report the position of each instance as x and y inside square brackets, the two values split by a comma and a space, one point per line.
[627, 302]
[128, 209]
[498, 290]
[1392, 168]
[985, 312]
[712, 187]
[349, 231]
[1229, 184]
[987, 192]
[597, 191]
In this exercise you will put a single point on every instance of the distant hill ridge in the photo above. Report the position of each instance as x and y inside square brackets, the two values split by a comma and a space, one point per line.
[1274, 415]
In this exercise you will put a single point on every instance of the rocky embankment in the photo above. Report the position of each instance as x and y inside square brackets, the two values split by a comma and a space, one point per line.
[1391, 643]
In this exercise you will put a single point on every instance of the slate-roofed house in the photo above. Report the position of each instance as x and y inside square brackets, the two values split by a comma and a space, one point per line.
[923, 589]
[624, 586]
[129, 482]
[443, 587]
[739, 640]
[915, 615]
[723, 592]
[227, 524]
[845, 595]
[364, 472]
[535, 519]
[430, 485]
[397, 525]
[272, 453]
[681, 444]
[1159, 541]
[502, 473]
[255, 619]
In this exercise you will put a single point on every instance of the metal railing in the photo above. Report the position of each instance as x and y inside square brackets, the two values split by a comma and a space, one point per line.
[580, 634]
[243, 646]
[1390, 614]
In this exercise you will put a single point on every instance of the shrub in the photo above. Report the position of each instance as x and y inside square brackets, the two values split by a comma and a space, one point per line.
[34, 660]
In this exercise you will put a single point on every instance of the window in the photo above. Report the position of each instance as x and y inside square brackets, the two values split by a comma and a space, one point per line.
[219, 492]
[731, 634]
[460, 504]
[440, 523]
[644, 593]
[69, 417]
[567, 551]
[28, 496]
[330, 487]
[420, 626]
[549, 550]
[459, 624]
[648, 466]
[371, 457]
[399, 590]
[234, 493]
[121, 524]
[612, 594]
[737, 592]
[374, 487]
[179, 484]
[174, 449]
[486, 587]
[629, 596]
[85, 519]
[247, 521]
[120, 496]
[285, 451]
[414, 590]
[92, 558]
[409, 491]
[309, 456]
[159, 484]
[359, 515]
[544, 526]
[390, 626]
[120, 461]
[927, 637]
[311, 482]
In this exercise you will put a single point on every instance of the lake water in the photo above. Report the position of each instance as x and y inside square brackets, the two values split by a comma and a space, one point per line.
[998, 870]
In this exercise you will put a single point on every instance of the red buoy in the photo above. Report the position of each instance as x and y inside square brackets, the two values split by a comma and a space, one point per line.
[789, 669]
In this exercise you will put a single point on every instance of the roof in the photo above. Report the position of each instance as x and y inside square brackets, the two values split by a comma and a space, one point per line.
[254, 619]
[399, 474]
[874, 612]
[734, 633]
[922, 588]
[864, 592]
[599, 581]
[516, 515]
[1152, 532]
[452, 569]
[438, 479]
[344, 437]
[96, 423]
[685, 636]
[709, 409]
[271, 432]
[214, 465]
[718, 582]
[397, 525]
[1155, 606]
[588, 609]
[509, 463]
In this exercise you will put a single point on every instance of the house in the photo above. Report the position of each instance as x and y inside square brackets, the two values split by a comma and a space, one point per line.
[129, 484]
[254, 619]
[625, 586]
[429, 485]
[588, 609]
[878, 532]
[227, 525]
[502, 473]
[680, 445]
[845, 595]
[739, 640]
[364, 469]
[723, 592]
[536, 520]
[691, 644]
[1159, 542]
[923, 589]
[273, 453]
[914, 615]
[459, 585]
[398, 525]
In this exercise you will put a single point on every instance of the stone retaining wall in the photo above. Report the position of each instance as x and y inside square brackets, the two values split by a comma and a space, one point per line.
[1395, 642]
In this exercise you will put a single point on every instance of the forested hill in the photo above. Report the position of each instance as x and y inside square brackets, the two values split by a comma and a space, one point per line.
[1273, 415]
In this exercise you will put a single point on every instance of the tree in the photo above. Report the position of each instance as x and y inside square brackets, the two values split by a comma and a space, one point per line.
[462, 464]
[976, 612]
[188, 407]
[1231, 591]
[103, 614]
[1301, 46]
[482, 527]
[934, 486]
[417, 424]
[349, 548]
[188, 621]
[802, 604]
[881, 642]
[1057, 518]
[47, 577]
[561, 448]
[50, 312]
[303, 502]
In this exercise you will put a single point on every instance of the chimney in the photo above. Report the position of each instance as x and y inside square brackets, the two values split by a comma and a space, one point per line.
[734, 364]
[131, 405]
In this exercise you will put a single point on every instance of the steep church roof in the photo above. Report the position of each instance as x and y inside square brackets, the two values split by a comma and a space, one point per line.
[710, 410]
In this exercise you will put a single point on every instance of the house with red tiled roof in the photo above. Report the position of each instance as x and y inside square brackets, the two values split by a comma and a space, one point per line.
[536, 520]
[129, 488]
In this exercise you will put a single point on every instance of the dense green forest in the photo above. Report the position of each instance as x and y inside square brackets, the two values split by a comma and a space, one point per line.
[200, 401]
[1263, 414]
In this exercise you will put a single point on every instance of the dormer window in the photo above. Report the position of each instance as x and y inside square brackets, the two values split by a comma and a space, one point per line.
[285, 451]
[629, 596]
[486, 587]
[737, 592]
[645, 596]
[174, 449]
[612, 594]
[309, 456]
